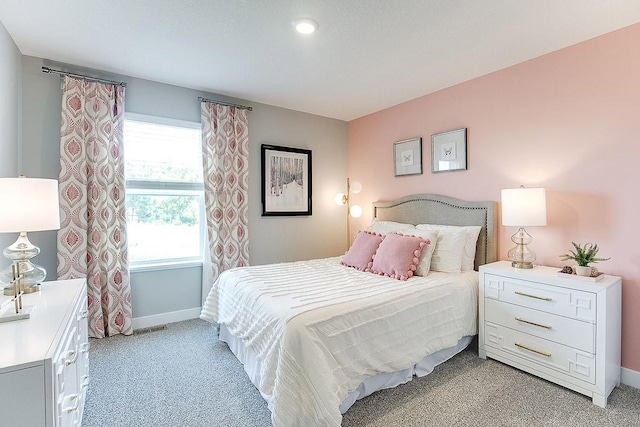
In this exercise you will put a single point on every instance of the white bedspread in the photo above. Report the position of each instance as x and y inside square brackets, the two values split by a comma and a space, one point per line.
[318, 329]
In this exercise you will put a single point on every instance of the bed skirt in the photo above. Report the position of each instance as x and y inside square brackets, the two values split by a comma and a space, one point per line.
[372, 384]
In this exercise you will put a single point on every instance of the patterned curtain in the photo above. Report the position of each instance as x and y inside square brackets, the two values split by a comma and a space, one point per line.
[225, 161]
[92, 237]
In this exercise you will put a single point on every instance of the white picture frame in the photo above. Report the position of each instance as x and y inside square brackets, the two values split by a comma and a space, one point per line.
[449, 151]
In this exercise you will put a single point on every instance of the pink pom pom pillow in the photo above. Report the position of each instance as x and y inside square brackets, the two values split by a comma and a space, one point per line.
[360, 254]
[398, 255]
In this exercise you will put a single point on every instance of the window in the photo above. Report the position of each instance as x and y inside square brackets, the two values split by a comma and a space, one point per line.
[165, 196]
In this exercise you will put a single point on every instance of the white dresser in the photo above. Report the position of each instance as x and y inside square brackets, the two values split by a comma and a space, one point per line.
[563, 330]
[44, 360]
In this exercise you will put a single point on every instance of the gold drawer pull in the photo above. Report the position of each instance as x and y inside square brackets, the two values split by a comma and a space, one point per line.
[544, 353]
[533, 296]
[520, 319]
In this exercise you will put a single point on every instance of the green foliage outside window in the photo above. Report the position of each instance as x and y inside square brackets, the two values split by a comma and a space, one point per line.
[162, 171]
[174, 210]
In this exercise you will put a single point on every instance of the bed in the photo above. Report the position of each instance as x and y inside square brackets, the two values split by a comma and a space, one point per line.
[315, 336]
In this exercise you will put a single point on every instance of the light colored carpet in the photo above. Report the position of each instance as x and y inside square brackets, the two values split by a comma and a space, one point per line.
[183, 376]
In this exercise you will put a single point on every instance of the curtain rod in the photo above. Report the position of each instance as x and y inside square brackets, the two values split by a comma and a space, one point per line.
[81, 76]
[242, 107]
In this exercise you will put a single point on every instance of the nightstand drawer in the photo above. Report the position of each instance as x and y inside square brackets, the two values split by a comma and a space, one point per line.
[562, 330]
[578, 364]
[551, 299]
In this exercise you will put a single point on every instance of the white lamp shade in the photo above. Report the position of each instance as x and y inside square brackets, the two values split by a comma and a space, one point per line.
[355, 187]
[29, 204]
[355, 211]
[524, 207]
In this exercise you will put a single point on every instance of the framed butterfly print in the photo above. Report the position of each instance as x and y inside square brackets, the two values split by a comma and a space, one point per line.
[407, 157]
[449, 151]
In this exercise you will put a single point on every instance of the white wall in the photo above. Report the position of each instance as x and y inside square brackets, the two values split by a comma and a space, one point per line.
[10, 84]
[271, 239]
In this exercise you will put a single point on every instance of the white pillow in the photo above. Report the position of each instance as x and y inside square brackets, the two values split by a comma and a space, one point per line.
[447, 256]
[386, 227]
[424, 264]
[469, 250]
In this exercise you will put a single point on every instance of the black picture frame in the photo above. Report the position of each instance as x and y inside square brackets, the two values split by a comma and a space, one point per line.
[286, 181]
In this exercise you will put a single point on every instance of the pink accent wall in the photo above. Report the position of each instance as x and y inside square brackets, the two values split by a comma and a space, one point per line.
[568, 121]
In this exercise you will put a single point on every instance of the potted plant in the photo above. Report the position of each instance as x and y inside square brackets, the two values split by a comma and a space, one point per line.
[583, 255]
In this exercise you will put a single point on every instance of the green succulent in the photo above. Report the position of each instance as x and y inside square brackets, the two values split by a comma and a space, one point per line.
[583, 254]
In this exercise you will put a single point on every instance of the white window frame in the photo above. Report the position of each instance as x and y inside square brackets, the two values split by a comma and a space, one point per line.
[167, 188]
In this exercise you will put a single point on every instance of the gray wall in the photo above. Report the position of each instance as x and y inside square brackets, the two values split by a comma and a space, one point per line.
[10, 84]
[271, 239]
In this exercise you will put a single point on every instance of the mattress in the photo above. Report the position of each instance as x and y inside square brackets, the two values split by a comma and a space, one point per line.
[316, 330]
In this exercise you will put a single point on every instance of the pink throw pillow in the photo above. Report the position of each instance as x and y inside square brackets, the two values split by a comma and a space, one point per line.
[360, 254]
[398, 255]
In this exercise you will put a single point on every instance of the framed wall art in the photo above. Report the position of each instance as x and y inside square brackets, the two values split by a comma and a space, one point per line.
[286, 181]
[407, 157]
[449, 151]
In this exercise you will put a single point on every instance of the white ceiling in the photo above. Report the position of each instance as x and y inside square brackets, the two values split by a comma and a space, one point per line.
[366, 55]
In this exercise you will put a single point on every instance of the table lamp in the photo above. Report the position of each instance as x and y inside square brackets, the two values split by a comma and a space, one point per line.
[29, 204]
[523, 207]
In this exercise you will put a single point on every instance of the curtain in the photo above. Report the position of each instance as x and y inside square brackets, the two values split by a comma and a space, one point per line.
[225, 161]
[92, 237]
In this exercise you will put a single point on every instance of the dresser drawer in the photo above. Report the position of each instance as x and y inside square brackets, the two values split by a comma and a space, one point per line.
[551, 299]
[559, 329]
[578, 364]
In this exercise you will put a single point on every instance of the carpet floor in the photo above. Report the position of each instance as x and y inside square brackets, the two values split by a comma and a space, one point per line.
[183, 376]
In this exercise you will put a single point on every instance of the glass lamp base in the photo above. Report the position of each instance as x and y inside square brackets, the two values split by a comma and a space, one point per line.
[518, 264]
[32, 276]
[20, 252]
[521, 256]
[27, 289]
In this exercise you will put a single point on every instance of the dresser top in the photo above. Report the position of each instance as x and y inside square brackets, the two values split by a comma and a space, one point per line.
[32, 340]
[548, 275]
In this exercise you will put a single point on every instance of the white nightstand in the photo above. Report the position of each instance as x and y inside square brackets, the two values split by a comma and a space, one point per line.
[563, 330]
[44, 360]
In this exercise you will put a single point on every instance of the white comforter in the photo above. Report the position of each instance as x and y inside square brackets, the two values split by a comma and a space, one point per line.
[318, 329]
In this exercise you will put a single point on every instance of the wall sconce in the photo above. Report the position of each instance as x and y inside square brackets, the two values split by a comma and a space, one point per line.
[523, 207]
[352, 210]
[31, 205]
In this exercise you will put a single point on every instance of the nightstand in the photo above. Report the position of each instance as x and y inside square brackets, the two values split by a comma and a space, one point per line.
[563, 330]
[44, 361]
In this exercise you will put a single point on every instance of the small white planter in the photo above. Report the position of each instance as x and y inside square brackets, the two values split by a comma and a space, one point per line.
[583, 271]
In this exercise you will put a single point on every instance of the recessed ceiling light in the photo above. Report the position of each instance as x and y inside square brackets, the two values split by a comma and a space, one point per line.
[305, 25]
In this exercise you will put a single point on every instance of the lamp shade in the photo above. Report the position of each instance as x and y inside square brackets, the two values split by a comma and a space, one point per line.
[524, 207]
[355, 211]
[29, 204]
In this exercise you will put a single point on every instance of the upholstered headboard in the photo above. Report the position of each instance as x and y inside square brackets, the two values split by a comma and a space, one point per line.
[437, 209]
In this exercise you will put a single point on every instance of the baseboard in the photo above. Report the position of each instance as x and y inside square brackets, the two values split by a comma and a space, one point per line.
[164, 318]
[630, 377]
